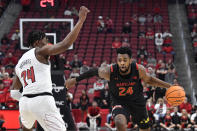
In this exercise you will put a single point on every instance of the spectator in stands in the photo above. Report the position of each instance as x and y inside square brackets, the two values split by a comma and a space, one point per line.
[94, 113]
[162, 71]
[159, 92]
[149, 18]
[157, 9]
[134, 19]
[167, 122]
[105, 98]
[170, 64]
[168, 50]
[159, 64]
[141, 33]
[167, 33]
[142, 51]
[2, 55]
[192, 17]
[67, 66]
[142, 60]
[15, 35]
[170, 75]
[146, 91]
[158, 18]
[175, 82]
[94, 65]
[98, 86]
[151, 60]
[61, 61]
[176, 120]
[74, 73]
[194, 33]
[150, 34]
[186, 105]
[158, 32]
[2, 70]
[76, 63]
[74, 11]
[67, 12]
[100, 24]
[5, 40]
[125, 42]
[84, 68]
[167, 41]
[126, 28]
[195, 49]
[160, 110]
[190, 2]
[26, 5]
[151, 71]
[3, 93]
[84, 103]
[194, 119]
[10, 61]
[109, 25]
[142, 19]
[7, 81]
[159, 42]
[185, 120]
[1, 76]
[116, 43]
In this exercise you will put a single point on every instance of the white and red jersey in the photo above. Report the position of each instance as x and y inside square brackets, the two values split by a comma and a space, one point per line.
[34, 75]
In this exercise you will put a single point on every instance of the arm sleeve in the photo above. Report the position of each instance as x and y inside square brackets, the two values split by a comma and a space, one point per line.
[90, 73]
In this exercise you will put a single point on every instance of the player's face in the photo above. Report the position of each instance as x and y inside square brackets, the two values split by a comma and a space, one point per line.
[124, 61]
[43, 42]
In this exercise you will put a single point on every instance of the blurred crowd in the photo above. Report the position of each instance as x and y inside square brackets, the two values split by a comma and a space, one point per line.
[192, 19]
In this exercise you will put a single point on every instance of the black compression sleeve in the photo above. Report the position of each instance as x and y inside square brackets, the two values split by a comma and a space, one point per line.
[90, 73]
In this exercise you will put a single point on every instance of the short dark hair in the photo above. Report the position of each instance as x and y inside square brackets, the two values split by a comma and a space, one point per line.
[34, 36]
[124, 50]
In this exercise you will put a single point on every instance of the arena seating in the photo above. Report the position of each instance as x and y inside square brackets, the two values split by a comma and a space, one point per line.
[96, 47]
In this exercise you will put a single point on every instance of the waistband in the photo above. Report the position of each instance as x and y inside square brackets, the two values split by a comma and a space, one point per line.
[39, 94]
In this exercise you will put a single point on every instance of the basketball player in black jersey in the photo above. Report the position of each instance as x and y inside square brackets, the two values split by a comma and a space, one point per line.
[125, 89]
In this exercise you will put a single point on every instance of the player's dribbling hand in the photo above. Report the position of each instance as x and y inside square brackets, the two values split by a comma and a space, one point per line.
[70, 82]
[83, 13]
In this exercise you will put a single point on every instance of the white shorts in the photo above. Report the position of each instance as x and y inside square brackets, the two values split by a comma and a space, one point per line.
[42, 109]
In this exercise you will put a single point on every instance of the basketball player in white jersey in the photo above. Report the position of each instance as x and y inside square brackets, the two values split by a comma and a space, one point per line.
[33, 73]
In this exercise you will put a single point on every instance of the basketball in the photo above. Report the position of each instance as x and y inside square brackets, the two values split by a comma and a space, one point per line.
[175, 95]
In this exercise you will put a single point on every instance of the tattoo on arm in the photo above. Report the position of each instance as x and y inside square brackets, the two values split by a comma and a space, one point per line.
[158, 83]
[153, 81]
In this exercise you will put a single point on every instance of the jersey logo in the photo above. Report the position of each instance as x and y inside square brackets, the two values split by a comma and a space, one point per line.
[124, 91]
[145, 120]
[28, 74]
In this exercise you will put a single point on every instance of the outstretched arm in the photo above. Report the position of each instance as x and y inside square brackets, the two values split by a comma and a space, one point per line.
[16, 84]
[14, 90]
[62, 46]
[102, 72]
[153, 81]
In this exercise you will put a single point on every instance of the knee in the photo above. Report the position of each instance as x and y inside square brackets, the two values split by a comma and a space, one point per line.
[120, 121]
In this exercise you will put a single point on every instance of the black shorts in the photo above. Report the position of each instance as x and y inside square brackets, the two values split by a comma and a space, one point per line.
[138, 112]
